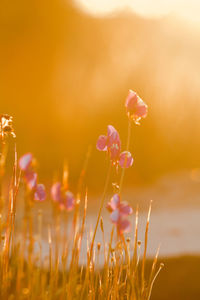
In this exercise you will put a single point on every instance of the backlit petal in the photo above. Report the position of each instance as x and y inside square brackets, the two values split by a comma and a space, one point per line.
[142, 109]
[115, 216]
[40, 193]
[69, 201]
[31, 179]
[131, 101]
[125, 159]
[56, 191]
[25, 161]
[125, 209]
[124, 226]
[102, 143]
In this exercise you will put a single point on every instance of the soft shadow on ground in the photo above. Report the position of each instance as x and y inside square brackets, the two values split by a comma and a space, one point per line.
[178, 280]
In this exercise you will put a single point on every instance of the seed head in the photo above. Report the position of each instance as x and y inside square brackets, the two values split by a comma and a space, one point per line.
[6, 126]
[98, 246]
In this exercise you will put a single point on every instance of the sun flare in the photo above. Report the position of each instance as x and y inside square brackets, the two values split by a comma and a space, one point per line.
[187, 9]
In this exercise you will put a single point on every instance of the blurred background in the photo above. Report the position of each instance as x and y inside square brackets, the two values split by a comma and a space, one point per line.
[65, 71]
[66, 67]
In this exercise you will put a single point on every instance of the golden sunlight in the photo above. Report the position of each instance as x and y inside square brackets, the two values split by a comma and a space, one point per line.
[188, 9]
[100, 150]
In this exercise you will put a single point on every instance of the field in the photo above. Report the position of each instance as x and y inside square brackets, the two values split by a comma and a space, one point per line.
[99, 149]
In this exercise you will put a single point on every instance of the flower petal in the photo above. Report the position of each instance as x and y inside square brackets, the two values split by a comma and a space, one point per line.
[135, 107]
[69, 201]
[131, 100]
[125, 209]
[101, 143]
[113, 138]
[115, 216]
[109, 207]
[40, 193]
[141, 110]
[124, 226]
[56, 192]
[114, 151]
[113, 143]
[31, 179]
[110, 130]
[114, 202]
[25, 161]
[125, 159]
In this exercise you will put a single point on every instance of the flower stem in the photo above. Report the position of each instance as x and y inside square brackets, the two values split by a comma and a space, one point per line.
[100, 209]
[127, 148]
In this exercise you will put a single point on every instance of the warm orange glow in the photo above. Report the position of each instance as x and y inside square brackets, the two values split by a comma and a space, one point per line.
[99, 119]
[66, 74]
[188, 9]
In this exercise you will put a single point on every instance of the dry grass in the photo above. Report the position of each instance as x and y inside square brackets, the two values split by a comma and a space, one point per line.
[26, 274]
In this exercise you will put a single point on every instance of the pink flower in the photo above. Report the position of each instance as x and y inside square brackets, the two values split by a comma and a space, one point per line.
[40, 193]
[112, 144]
[64, 198]
[102, 143]
[112, 136]
[135, 107]
[56, 192]
[125, 159]
[119, 211]
[25, 161]
[68, 201]
[30, 177]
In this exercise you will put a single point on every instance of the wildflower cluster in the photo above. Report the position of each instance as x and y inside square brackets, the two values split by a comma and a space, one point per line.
[119, 210]
[26, 165]
[26, 272]
[112, 144]
[62, 196]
